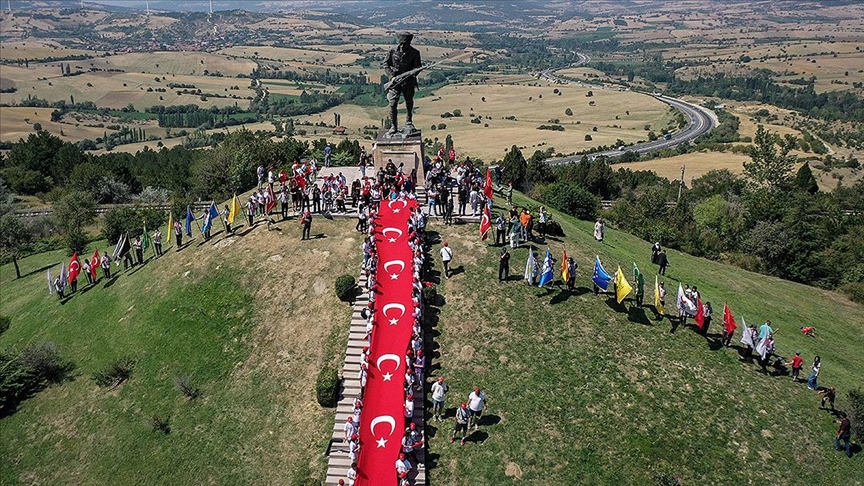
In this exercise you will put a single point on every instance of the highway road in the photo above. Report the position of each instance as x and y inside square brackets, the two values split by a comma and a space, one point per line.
[700, 121]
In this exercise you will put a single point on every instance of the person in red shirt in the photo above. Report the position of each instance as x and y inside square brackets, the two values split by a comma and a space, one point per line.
[809, 331]
[797, 362]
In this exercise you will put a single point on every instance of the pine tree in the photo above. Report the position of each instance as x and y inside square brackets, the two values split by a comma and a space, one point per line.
[805, 180]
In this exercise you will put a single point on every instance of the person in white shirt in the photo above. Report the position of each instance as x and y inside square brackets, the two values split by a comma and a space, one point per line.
[476, 402]
[446, 257]
[409, 406]
[403, 466]
[352, 474]
[349, 428]
[439, 392]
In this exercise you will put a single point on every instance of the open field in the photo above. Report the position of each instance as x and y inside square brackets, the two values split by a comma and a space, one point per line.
[585, 391]
[252, 319]
[696, 163]
[174, 140]
[531, 111]
[285, 54]
[18, 123]
[34, 49]
[186, 63]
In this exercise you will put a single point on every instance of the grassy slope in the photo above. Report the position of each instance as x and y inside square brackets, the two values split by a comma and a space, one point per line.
[252, 322]
[588, 392]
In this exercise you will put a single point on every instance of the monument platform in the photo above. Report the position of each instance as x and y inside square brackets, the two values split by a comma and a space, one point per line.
[401, 149]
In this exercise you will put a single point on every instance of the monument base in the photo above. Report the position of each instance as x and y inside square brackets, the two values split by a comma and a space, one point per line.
[406, 150]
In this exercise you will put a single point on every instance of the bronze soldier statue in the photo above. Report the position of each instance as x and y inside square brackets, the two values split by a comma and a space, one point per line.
[402, 59]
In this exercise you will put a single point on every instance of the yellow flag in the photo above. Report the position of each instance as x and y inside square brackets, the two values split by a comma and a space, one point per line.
[170, 226]
[565, 268]
[622, 287]
[657, 304]
[234, 209]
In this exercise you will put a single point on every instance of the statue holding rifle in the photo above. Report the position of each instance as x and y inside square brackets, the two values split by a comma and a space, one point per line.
[402, 65]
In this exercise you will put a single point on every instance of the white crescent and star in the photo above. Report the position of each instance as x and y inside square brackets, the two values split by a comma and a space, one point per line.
[387, 419]
[388, 357]
[390, 204]
[74, 266]
[393, 320]
[394, 276]
[391, 230]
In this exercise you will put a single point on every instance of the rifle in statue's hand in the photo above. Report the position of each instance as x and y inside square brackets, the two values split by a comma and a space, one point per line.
[400, 78]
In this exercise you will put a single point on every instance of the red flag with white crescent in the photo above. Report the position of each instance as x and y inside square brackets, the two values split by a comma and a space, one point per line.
[74, 267]
[487, 188]
[485, 223]
[95, 262]
[301, 181]
[271, 200]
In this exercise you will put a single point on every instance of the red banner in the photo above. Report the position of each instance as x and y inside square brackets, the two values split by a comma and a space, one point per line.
[383, 421]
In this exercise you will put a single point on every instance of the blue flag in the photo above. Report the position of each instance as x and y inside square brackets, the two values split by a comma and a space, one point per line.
[189, 218]
[548, 274]
[212, 213]
[600, 277]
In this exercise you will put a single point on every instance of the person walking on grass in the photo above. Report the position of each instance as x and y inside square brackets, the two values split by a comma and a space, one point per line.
[306, 223]
[504, 265]
[828, 396]
[812, 382]
[463, 415]
[439, 393]
[663, 261]
[797, 363]
[844, 433]
[178, 233]
[476, 402]
[446, 257]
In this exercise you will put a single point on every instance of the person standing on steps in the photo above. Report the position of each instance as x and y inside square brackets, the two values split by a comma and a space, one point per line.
[446, 257]
[663, 261]
[504, 265]
[463, 415]
[439, 393]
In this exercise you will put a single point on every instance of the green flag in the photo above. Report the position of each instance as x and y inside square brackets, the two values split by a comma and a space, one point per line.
[640, 280]
[145, 239]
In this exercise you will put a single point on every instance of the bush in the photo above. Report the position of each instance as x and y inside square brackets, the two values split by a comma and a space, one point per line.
[855, 291]
[568, 112]
[160, 424]
[44, 362]
[588, 138]
[570, 199]
[346, 288]
[184, 385]
[327, 387]
[5, 321]
[115, 373]
[856, 412]
[22, 375]
[430, 295]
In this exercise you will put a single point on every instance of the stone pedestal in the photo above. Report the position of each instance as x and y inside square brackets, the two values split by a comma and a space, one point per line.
[407, 150]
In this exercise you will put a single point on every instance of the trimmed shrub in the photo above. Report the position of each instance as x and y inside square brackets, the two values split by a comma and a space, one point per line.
[327, 387]
[115, 373]
[346, 288]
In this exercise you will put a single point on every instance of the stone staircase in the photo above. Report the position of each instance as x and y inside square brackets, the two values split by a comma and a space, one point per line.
[339, 463]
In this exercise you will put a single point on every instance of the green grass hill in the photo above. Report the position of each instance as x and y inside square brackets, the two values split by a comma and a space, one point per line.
[582, 390]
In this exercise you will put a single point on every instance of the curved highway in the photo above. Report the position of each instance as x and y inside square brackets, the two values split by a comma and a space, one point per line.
[700, 121]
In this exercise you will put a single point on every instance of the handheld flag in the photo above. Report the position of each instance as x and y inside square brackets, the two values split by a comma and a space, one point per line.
[622, 286]
[271, 200]
[234, 209]
[565, 267]
[95, 262]
[211, 214]
[548, 274]
[529, 266]
[74, 267]
[747, 334]
[485, 223]
[600, 278]
[145, 239]
[729, 323]
[301, 181]
[50, 283]
[684, 304]
[487, 187]
[658, 304]
[170, 226]
[639, 279]
[189, 218]
[64, 276]
[700, 314]
[121, 248]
